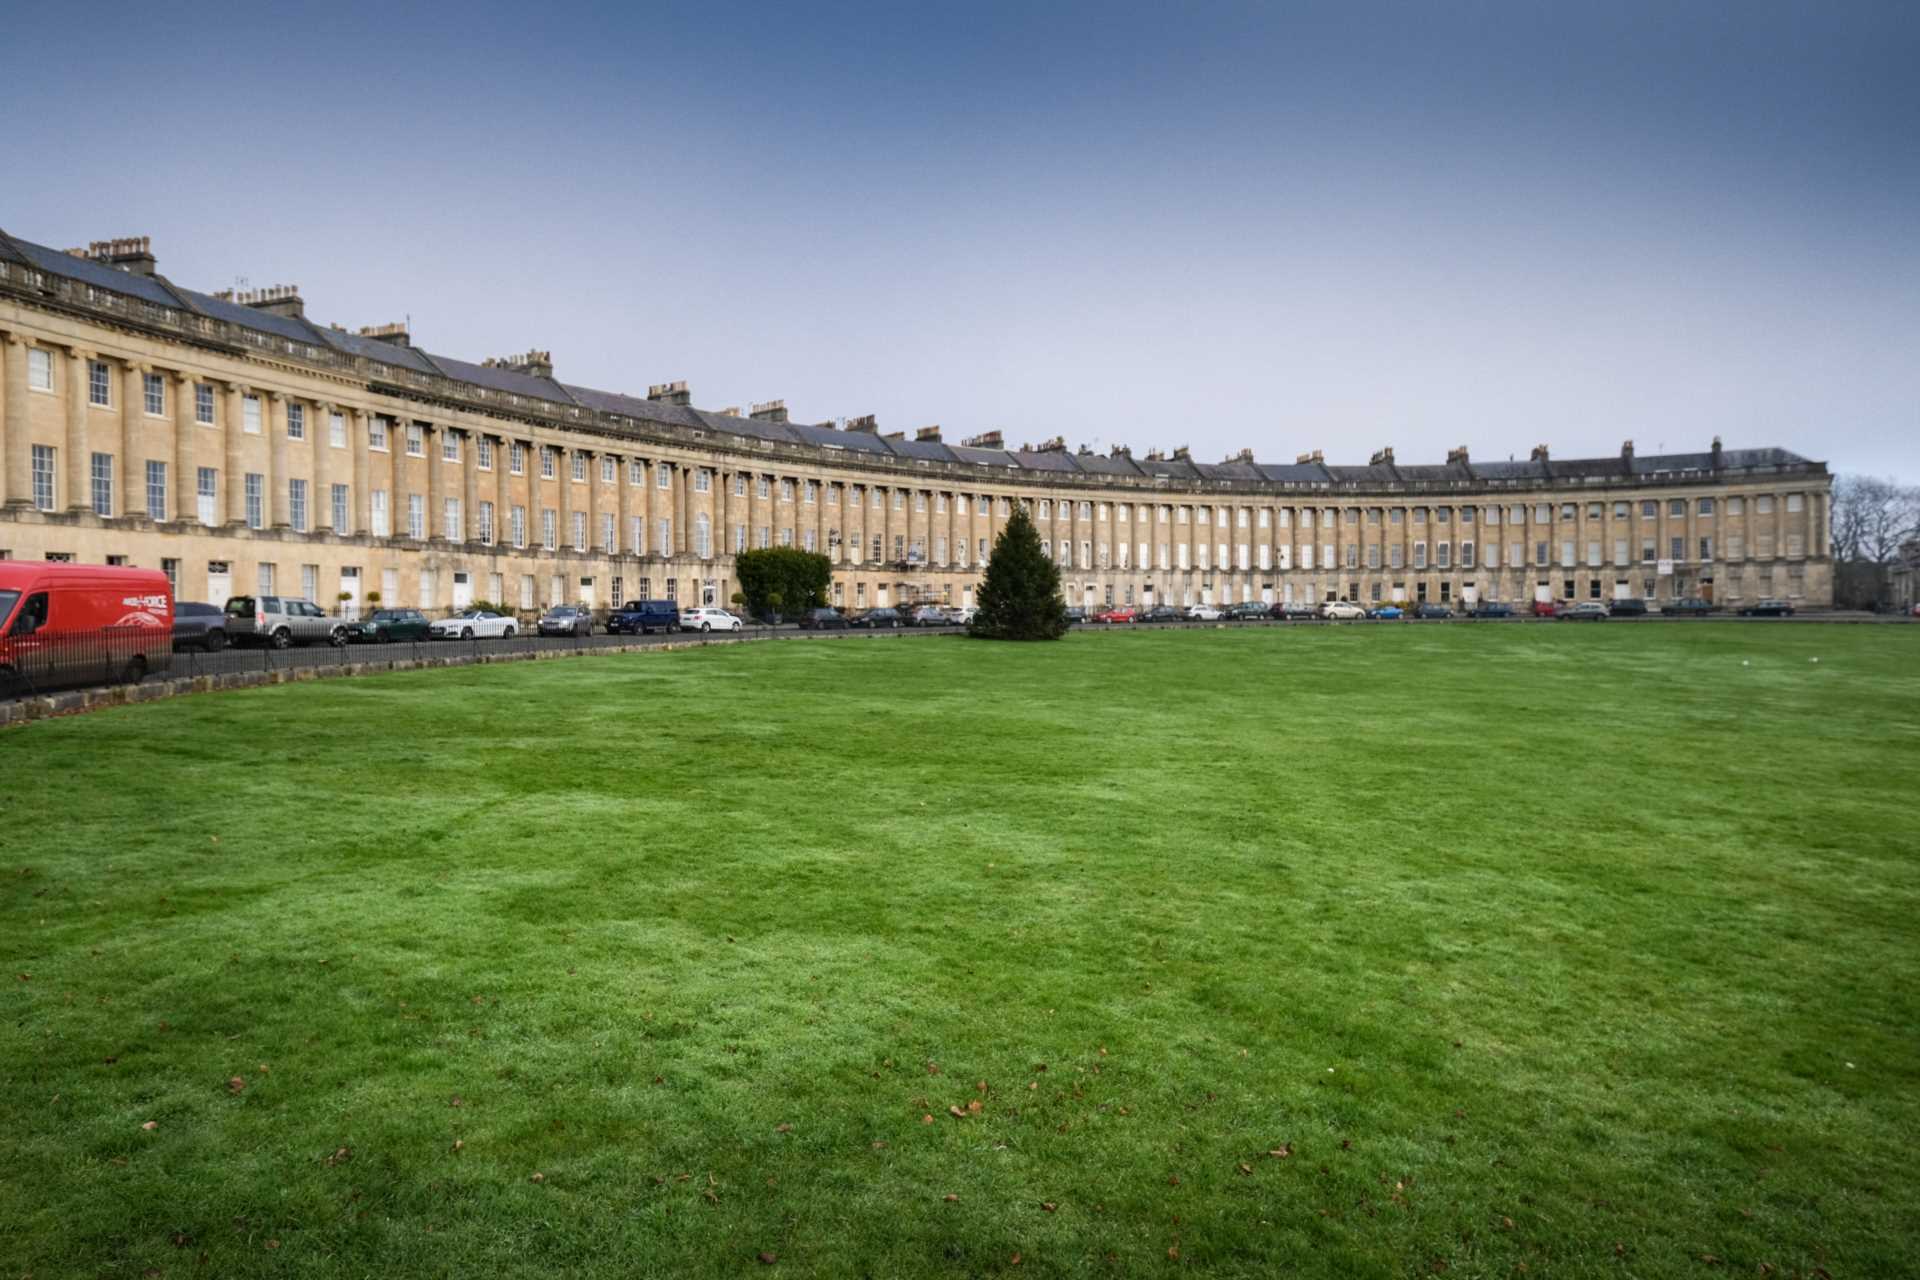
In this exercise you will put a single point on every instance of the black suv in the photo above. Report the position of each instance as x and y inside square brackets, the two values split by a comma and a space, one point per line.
[879, 619]
[1162, 613]
[643, 617]
[1629, 607]
[1432, 610]
[1493, 609]
[823, 620]
[1247, 610]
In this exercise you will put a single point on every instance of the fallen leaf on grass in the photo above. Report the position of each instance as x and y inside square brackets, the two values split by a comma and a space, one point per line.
[783, 1128]
[974, 1107]
[459, 1144]
[1048, 1205]
[768, 1259]
[1506, 1224]
[1282, 1151]
[273, 1244]
[236, 1084]
[341, 1156]
[1246, 1168]
[538, 1177]
[151, 1125]
[951, 1199]
[1173, 1252]
[956, 1113]
[926, 1119]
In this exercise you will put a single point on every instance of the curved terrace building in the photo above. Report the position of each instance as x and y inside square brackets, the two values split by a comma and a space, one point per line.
[240, 447]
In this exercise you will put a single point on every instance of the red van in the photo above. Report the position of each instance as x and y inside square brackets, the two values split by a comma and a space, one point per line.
[63, 625]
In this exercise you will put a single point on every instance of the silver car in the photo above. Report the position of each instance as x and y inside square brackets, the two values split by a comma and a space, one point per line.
[281, 621]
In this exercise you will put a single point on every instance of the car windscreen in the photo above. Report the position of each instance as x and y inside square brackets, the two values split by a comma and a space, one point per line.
[240, 607]
[7, 600]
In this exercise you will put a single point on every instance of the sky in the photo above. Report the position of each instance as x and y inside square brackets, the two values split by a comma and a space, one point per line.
[1272, 226]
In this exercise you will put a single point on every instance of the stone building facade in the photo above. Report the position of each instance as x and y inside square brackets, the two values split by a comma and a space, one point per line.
[230, 441]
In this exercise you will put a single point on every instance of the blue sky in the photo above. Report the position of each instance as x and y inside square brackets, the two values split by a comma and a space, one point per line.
[1333, 226]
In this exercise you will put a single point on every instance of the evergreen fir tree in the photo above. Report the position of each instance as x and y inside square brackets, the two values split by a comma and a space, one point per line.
[1020, 597]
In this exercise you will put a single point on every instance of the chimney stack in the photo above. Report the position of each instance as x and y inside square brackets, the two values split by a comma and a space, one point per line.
[1382, 457]
[538, 364]
[895, 435]
[132, 254]
[1155, 455]
[1626, 452]
[928, 433]
[769, 411]
[1245, 455]
[1458, 455]
[985, 440]
[278, 300]
[1717, 457]
[1120, 451]
[1183, 454]
[1056, 445]
[1305, 458]
[1540, 453]
[866, 423]
[392, 333]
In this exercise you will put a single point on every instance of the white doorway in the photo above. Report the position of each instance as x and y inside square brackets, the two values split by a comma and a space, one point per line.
[219, 582]
[350, 588]
[462, 590]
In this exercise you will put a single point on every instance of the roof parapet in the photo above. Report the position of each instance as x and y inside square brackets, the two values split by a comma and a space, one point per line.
[769, 411]
[538, 364]
[670, 393]
[985, 440]
[929, 434]
[866, 422]
[392, 333]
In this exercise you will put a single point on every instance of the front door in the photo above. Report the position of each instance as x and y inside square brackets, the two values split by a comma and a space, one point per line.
[350, 588]
[219, 583]
[462, 591]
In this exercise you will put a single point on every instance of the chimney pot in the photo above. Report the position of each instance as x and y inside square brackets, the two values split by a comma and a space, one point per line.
[1383, 457]
[928, 433]
[670, 393]
[1458, 455]
[866, 423]
[985, 440]
[1540, 453]
[770, 411]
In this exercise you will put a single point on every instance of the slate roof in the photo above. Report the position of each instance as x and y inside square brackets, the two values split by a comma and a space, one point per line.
[161, 292]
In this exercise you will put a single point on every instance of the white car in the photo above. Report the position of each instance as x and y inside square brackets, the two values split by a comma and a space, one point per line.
[1342, 609]
[702, 619]
[963, 616]
[1203, 613]
[472, 624]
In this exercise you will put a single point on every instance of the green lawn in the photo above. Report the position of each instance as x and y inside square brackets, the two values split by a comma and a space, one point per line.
[1358, 951]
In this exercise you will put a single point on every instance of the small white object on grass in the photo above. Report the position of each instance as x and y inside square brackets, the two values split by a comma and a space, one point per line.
[1813, 659]
[1744, 662]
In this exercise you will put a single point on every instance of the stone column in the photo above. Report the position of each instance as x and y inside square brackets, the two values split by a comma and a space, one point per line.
[186, 477]
[683, 513]
[622, 513]
[397, 494]
[563, 477]
[436, 492]
[320, 441]
[131, 453]
[275, 425]
[79, 492]
[470, 499]
[233, 463]
[503, 491]
[16, 482]
[361, 517]
[593, 497]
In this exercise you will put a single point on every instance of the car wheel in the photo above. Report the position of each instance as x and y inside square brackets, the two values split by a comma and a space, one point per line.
[706, 626]
[282, 638]
[466, 633]
[382, 636]
[136, 669]
[337, 637]
[215, 641]
[507, 634]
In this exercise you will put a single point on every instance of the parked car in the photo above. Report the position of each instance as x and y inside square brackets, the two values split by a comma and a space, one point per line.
[281, 621]
[1690, 607]
[384, 625]
[1428, 609]
[1294, 611]
[927, 615]
[881, 619]
[199, 626]
[706, 618]
[1627, 607]
[1492, 609]
[966, 613]
[823, 620]
[1075, 614]
[643, 617]
[1116, 613]
[569, 620]
[1768, 608]
[1545, 609]
[1586, 611]
[1387, 612]
[1203, 613]
[1247, 611]
[75, 624]
[473, 624]
[1342, 610]
[1160, 613]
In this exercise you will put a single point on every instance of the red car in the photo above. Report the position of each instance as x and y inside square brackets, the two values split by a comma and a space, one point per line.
[1119, 613]
[75, 624]
[1545, 609]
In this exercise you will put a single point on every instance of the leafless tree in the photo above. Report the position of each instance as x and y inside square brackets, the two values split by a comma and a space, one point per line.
[1872, 516]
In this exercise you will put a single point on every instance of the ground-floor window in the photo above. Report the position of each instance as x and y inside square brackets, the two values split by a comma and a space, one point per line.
[526, 591]
[614, 597]
[673, 590]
